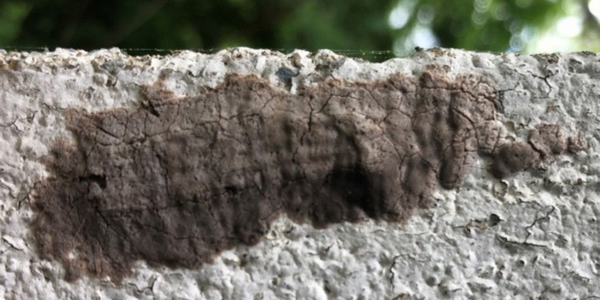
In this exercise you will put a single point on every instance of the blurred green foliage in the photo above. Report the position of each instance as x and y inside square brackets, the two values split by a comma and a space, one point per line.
[487, 24]
[360, 27]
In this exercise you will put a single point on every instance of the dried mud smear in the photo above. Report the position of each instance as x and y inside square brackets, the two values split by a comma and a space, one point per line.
[177, 181]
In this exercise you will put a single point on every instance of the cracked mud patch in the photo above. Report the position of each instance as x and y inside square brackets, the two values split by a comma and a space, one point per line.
[176, 181]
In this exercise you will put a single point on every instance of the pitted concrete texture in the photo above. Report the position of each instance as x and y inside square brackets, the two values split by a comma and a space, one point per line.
[252, 174]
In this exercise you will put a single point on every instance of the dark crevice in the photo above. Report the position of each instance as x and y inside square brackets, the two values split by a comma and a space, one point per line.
[99, 179]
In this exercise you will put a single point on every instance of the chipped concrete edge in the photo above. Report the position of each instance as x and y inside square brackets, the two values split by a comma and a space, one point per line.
[533, 235]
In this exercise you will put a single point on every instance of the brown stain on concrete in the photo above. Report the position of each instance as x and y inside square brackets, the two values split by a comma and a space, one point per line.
[177, 181]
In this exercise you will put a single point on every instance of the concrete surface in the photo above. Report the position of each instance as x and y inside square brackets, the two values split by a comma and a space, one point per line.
[531, 236]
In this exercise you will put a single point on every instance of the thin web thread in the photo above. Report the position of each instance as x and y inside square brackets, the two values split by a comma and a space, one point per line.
[373, 55]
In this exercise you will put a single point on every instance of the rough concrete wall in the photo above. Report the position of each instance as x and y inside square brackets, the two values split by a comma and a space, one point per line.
[532, 234]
